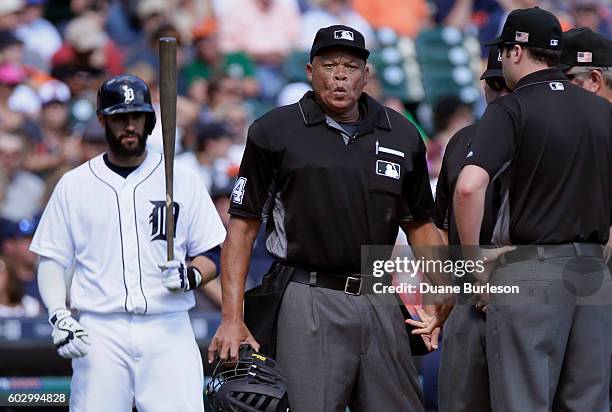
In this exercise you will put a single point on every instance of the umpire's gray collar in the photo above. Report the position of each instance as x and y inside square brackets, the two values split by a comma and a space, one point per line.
[373, 113]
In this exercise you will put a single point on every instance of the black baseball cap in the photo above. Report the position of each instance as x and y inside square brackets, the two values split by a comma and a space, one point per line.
[534, 27]
[339, 36]
[494, 64]
[211, 131]
[584, 47]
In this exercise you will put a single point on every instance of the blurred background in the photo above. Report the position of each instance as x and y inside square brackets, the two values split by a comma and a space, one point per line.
[237, 59]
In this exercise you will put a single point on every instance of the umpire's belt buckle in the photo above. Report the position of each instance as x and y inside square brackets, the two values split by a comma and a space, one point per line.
[352, 286]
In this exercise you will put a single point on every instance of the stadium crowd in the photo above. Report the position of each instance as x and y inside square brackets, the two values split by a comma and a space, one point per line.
[235, 62]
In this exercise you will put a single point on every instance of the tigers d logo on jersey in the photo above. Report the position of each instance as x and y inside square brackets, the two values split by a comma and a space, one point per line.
[157, 219]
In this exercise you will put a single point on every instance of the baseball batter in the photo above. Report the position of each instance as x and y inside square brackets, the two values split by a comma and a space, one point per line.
[133, 343]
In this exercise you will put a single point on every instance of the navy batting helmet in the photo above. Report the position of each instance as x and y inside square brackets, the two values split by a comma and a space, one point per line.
[254, 384]
[126, 93]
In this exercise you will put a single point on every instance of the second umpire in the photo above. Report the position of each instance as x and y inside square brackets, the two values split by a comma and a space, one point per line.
[333, 172]
[554, 160]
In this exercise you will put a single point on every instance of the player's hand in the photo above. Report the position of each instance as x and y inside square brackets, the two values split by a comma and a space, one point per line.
[69, 337]
[178, 279]
[227, 340]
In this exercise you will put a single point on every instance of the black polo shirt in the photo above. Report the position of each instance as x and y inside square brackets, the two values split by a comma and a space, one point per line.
[454, 158]
[553, 153]
[325, 194]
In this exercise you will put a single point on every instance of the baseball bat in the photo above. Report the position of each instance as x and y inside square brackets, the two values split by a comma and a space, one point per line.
[167, 98]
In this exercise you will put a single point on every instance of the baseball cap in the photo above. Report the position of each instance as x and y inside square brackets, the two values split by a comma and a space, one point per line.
[19, 229]
[7, 39]
[11, 74]
[339, 36]
[94, 132]
[494, 64]
[214, 130]
[206, 28]
[534, 27]
[584, 47]
[53, 91]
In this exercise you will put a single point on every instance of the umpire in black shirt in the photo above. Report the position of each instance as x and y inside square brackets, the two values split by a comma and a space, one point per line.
[332, 172]
[463, 378]
[553, 156]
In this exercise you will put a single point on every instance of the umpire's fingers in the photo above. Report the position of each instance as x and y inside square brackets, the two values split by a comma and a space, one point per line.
[434, 338]
[212, 349]
[234, 350]
[250, 340]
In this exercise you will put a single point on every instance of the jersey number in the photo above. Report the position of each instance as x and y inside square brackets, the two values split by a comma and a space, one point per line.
[238, 192]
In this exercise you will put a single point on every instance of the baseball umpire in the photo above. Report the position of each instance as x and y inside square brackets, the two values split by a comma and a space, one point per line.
[332, 172]
[133, 343]
[586, 60]
[553, 156]
[463, 379]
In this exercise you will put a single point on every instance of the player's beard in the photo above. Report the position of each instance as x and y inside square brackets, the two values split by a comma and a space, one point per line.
[119, 149]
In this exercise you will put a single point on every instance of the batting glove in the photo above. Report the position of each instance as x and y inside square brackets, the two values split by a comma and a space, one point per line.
[178, 279]
[69, 337]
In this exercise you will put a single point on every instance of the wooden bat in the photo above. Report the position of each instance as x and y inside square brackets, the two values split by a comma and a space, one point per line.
[167, 97]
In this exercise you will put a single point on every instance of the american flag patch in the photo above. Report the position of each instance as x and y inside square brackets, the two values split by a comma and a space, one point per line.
[584, 57]
[521, 37]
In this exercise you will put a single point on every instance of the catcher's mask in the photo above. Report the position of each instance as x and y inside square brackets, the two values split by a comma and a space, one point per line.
[253, 384]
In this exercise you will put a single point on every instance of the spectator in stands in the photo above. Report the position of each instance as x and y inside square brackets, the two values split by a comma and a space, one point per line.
[93, 140]
[88, 46]
[209, 62]
[13, 300]
[328, 13]
[15, 93]
[57, 145]
[16, 239]
[267, 31]
[208, 157]
[588, 13]
[24, 190]
[450, 115]
[41, 39]
[9, 14]
[11, 48]
[407, 18]
[10, 78]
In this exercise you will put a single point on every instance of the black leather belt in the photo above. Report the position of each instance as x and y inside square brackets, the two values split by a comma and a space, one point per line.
[541, 253]
[349, 284]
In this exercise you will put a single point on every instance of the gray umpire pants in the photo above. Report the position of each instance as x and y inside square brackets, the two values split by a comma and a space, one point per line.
[340, 350]
[549, 348]
[463, 378]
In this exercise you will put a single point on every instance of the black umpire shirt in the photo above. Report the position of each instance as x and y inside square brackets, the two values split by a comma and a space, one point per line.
[326, 193]
[454, 158]
[553, 153]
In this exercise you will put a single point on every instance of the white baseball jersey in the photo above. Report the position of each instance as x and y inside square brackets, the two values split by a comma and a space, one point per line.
[114, 229]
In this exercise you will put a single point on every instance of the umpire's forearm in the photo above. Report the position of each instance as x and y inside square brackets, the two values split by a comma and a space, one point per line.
[235, 257]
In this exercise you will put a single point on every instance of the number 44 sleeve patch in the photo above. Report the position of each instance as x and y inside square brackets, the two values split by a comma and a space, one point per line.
[238, 191]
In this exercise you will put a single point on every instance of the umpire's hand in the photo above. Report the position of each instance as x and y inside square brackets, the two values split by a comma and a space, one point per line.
[226, 343]
[69, 337]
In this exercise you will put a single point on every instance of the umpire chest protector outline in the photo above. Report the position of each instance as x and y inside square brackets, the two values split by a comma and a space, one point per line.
[118, 249]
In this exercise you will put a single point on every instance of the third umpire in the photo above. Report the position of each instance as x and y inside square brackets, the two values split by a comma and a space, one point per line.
[554, 160]
[333, 172]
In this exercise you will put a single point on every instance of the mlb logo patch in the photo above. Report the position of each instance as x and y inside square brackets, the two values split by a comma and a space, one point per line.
[344, 35]
[554, 42]
[556, 86]
[388, 169]
[521, 37]
[584, 57]
[499, 56]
